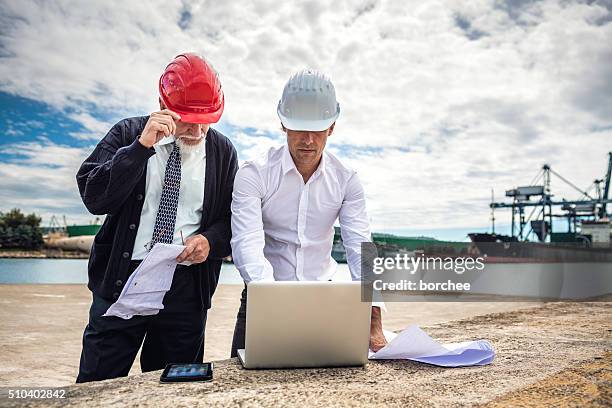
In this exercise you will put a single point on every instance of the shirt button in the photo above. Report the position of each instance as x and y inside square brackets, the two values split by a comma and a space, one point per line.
[116, 295]
[132, 226]
[119, 282]
[139, 197]
[126, 255]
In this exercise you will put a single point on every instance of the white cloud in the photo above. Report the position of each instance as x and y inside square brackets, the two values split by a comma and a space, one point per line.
[13, 132]
[41, 178]
[253, 146]
[482, 93]
[94, 127]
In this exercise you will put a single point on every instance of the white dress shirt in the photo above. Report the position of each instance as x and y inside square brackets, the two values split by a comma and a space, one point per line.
[191, 194]
[284, 228]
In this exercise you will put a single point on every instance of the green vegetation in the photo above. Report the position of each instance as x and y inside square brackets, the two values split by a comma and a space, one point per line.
[18, 230]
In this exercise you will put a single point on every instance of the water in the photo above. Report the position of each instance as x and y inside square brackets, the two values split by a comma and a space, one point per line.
[75, 271]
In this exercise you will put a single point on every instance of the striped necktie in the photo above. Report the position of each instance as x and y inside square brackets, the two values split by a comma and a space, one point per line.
[166, 214]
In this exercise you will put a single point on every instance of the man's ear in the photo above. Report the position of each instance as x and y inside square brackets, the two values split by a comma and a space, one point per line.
[162, 105]
[331, 129]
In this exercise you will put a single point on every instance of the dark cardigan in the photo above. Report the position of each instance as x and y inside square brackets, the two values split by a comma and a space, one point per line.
[112, 181]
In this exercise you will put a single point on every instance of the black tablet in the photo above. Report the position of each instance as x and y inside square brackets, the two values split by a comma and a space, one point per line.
[187, 372]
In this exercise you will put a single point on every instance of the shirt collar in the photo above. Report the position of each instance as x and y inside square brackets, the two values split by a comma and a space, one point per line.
[288, 163]
[166, 140]
[322, 165]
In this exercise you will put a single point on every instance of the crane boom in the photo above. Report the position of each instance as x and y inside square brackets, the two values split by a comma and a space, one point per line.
[602, 211]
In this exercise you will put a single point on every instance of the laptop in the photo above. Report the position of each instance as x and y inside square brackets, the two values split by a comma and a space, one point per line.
[305, 324]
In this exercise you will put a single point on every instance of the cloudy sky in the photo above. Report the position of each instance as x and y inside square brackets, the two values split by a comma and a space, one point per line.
[441, 100]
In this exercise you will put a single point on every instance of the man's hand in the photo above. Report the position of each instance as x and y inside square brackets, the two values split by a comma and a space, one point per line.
[196, 249]
[160, 124]
[377, 337]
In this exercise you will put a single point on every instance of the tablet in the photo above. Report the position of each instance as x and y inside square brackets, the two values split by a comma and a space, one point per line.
[187, 372]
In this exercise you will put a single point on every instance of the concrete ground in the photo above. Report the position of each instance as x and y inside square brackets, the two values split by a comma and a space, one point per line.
[555, 354]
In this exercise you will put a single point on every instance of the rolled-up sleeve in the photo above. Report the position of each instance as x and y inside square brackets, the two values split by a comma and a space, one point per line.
[248, 239]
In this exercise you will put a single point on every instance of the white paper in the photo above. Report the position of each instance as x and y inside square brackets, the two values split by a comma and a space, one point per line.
[414, 344]
[143, 293]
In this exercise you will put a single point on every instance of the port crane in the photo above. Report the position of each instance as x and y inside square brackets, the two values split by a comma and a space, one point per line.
[589, 208]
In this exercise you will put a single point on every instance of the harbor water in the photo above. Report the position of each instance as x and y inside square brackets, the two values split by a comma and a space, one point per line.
[43, 271]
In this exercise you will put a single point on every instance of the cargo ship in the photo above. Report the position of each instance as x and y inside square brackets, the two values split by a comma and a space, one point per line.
[536, 260]
[588, 233]
[533, 262]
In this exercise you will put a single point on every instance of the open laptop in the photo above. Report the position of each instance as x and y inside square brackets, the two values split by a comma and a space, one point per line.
[305, 324]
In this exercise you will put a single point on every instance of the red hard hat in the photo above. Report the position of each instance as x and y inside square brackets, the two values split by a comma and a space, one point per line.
[190, 87]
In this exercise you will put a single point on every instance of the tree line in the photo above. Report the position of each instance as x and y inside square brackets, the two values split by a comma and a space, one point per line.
[18, 230]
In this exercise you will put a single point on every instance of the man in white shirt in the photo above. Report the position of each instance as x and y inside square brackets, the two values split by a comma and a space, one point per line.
[284, 206]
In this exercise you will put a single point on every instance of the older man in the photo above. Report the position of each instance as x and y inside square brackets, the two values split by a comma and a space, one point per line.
[285, 205]
[159, 178]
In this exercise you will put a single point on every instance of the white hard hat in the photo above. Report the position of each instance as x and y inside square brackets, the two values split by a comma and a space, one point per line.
[308, 102]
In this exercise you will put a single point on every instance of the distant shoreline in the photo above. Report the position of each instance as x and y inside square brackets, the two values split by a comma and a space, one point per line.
[44, 253]
[52, 253]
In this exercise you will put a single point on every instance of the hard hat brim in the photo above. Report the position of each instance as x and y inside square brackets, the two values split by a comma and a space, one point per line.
[197, 117]
[203, 118]
[307, 125]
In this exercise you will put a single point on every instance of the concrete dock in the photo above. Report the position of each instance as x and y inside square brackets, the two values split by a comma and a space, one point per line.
[555, 354]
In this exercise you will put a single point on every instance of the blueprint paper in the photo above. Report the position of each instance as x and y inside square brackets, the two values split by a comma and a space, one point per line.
[144, 292]
[414, 344]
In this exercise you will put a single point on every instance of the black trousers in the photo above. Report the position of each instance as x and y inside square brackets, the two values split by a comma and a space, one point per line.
[240, 328]
[174, 335]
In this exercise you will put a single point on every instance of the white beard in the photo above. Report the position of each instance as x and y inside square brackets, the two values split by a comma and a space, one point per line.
[188, 149]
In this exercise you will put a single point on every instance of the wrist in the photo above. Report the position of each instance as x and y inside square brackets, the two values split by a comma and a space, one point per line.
[376, 320]
[144, 142]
